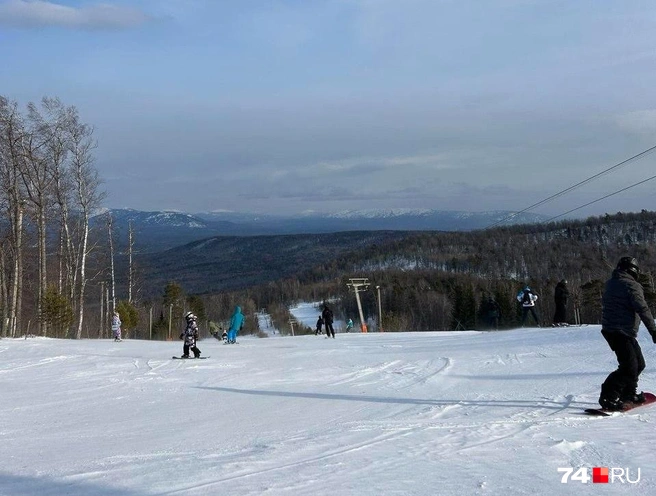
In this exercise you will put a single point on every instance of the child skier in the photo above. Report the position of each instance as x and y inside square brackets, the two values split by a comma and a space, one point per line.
[317, 331]
[190, 335]
[116, 326]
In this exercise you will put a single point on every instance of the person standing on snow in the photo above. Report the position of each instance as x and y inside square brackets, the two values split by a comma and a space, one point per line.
[317, 331]
[561, 294]
[492, 313]
[527, 298]
[236, 324]
[190, 336]
[349, 325]
[327, 315]
[624, 306]
[116, 326]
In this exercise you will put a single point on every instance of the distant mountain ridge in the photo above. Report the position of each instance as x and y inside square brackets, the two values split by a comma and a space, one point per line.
[160, 230]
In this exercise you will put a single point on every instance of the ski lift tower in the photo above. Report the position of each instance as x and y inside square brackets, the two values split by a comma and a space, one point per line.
[357, 285]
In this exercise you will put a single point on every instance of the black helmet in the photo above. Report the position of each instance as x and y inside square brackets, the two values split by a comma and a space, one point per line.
[190, 316]
[630, 265]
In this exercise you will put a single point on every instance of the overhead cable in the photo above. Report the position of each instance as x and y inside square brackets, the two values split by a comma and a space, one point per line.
[578, 185]
[602, 198]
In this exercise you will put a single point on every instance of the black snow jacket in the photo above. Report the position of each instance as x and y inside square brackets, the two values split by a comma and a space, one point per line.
[327, 315]
[624, 306]
[561, 294]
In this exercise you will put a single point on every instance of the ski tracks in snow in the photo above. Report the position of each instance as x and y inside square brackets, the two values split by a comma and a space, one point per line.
[395, 374]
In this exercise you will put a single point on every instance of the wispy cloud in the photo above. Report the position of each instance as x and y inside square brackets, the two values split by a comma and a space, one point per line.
[40, 13]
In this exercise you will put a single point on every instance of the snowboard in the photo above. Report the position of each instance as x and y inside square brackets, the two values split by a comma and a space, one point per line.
[190, 358]
[601, 412]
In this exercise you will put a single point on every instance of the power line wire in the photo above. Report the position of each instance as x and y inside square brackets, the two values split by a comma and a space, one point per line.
[578, 185]
[602, 198]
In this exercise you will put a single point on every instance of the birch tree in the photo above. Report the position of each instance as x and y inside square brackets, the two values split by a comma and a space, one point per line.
[110, 235]
[86, 184]
[13, 201]
[37, 178]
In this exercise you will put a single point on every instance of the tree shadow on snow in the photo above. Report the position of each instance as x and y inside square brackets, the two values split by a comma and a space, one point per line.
[530, 377]
[545, 403]
[24, 485]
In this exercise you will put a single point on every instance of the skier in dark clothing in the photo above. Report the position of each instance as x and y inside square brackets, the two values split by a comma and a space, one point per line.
[190, 335]
[492, 313]
[327, 315]
[560, 298]
[319, 326]
[624, 306]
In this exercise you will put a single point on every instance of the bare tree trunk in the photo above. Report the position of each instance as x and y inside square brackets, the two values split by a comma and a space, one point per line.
[130, 242]
[83, 275]
[102, 311]
[4, 293]
[86, 182]
[17, 283]
[111, 260]
[107, 309]
[12, 163]
[43, 272]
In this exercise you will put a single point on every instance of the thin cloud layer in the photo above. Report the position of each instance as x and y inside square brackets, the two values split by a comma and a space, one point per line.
[38, 13]
[284, 105]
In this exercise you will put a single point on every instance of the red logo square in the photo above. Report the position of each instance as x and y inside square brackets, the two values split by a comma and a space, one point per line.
[600, 475]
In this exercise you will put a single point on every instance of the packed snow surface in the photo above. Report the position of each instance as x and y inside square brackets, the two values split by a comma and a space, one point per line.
[466, 413]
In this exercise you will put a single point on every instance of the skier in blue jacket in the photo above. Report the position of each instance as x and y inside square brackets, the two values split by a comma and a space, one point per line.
[236, 323]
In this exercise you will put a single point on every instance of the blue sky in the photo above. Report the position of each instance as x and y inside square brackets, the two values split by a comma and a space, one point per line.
[284, 106]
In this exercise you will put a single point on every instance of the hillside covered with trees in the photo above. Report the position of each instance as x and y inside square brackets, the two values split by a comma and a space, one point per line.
[440, 280]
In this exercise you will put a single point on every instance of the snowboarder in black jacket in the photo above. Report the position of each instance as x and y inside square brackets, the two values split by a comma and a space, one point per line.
[317, 331]
[624, 306]
[561, 294]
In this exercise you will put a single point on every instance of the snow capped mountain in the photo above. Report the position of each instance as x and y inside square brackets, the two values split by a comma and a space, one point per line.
[380, 213]
[168, 218]
[400, 218]
[164, 229]
[495, 215]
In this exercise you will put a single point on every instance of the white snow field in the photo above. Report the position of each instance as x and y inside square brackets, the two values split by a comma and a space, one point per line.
[466, 413]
